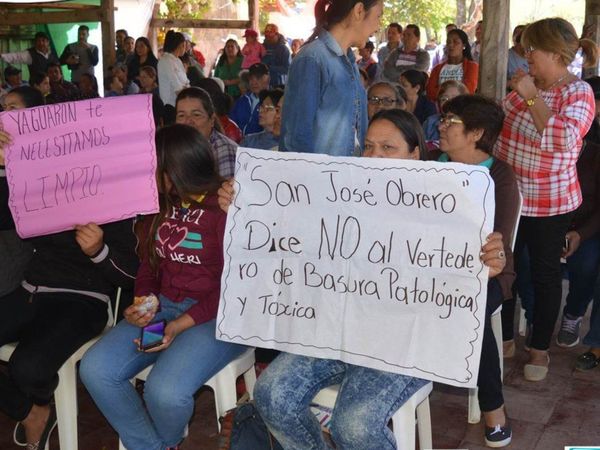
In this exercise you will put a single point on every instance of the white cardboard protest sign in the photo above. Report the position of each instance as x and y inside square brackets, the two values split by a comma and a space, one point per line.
[371, 261]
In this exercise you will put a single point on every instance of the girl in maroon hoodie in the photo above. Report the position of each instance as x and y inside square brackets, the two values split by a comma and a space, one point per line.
[181, 266]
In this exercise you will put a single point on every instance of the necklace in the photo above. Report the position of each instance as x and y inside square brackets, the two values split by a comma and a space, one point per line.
[557, 82]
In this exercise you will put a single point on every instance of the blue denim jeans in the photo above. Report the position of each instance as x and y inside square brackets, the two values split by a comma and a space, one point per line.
[179, 371]
[366, 401]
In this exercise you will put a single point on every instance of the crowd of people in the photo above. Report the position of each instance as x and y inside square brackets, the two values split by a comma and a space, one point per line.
[539, 144]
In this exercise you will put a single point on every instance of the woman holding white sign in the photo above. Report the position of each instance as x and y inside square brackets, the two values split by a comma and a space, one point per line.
[367, 398]
[469, 127]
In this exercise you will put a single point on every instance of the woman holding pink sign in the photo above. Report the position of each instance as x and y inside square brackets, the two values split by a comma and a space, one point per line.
[60, 304]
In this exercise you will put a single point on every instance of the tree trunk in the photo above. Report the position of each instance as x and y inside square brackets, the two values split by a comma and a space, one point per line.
[461, 12]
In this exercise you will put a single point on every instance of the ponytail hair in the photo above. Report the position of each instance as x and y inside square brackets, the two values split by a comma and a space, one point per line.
[590, 52]
[332, 12]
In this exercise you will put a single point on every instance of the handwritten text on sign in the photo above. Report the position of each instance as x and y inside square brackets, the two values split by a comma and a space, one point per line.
[79, 162]
[374, 262]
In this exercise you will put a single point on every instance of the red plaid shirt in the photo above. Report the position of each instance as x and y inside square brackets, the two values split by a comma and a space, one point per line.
[545, 164]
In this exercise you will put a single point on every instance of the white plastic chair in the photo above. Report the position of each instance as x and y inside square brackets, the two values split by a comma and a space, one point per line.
[65, 395]
[223, 383]
[403, 420]
[474, 414]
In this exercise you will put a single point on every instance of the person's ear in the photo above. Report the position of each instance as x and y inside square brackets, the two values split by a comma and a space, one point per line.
[415, 155]
[359, 12]
[477, 134]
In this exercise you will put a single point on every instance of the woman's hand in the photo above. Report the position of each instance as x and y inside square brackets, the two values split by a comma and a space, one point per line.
[226, 193]
[574, 240]
[90, 238]
[136, 317]
[492, 254]
[5, 140]
[524, 84]
[172, 329]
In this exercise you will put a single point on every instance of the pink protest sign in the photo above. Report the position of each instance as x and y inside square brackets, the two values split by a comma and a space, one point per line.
[80, 162]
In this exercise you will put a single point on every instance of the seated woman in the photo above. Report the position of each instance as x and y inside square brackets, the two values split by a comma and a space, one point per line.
[222, 103]
[468, 130]
[149, 85]
[41, 82]
[459, 66]
[385, 95]
[448, 90]
[267, 111]
[367, 398]
[88, 86]
[194, 107]
[413, 82]
[60, 304]
[188, 290]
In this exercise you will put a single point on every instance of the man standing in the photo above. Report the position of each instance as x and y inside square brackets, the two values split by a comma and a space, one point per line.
[411, 56]
[476, 47]
[37, 57]
[278, 56]
[394, 41]
[80, 56]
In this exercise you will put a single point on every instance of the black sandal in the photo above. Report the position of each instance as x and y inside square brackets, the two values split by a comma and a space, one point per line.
[587, 361]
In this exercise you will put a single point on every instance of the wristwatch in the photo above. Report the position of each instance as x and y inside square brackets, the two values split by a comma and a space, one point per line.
[531, 101]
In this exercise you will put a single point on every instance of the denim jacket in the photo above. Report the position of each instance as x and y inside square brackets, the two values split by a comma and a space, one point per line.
[325, 107]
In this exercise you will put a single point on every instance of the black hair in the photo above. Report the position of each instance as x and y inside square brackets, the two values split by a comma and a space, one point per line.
[274, 94]
[36, 78]
[408, 125]
[221, 101]
[92, 79]
[363, 74]
[146, 42]
[186, 158]
[416, 78]
[29, 96]
[594, 82]
[53, 64]
[332, 12]
[204, 98]
[173, 39]
[478, 113]
[397, 26]
[83, 27]
[415, 29]
[223, 58]
[129, 38]
[122, 30]
[465, 42]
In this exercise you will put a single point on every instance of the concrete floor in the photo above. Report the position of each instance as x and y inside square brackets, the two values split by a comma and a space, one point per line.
[563, 410]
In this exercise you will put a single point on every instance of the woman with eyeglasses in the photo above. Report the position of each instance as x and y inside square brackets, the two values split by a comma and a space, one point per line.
[448, 90]
[548, 113]
[195, 108]
[267, 112]
[385, 95]
[468, 130]
[459, 66]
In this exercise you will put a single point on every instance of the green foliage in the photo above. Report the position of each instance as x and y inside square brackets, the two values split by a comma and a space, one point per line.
[427, 14]
[185, 9]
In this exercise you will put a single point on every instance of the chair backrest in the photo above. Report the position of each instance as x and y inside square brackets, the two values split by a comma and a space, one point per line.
[113, 315]
[513, 238]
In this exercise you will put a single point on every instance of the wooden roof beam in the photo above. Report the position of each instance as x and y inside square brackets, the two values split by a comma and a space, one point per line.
[199, 23]
[34, 18]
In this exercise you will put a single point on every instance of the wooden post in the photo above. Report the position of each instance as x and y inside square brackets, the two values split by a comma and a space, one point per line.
[253, 14]
[592, 24]
[494, 48]
[108, 33]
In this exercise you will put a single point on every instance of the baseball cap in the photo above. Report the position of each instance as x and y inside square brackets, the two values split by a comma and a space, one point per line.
[258, 70]
[11, 71]
[250, 33]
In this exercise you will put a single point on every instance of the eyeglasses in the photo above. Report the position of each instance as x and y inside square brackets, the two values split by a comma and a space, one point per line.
[267, 108]
[385, 101]
[449, 120]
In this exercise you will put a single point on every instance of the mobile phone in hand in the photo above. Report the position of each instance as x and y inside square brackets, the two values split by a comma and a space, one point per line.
[152, 335]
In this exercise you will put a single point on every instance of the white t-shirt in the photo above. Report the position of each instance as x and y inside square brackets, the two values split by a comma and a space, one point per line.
[451, 72]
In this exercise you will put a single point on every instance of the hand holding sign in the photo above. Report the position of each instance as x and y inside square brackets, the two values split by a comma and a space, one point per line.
[90, 238]
[80, 162]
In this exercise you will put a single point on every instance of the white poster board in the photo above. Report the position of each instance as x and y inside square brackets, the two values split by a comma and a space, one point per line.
[371, 261]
